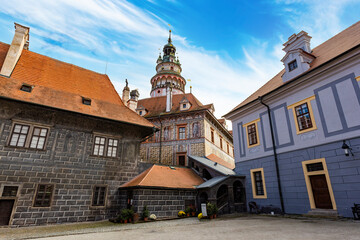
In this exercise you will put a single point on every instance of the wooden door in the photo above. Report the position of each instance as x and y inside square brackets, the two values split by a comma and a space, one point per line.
[181, 160]
[6, 207]
[320, 192]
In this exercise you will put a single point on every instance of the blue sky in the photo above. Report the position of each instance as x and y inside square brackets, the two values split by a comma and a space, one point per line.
[227, 48]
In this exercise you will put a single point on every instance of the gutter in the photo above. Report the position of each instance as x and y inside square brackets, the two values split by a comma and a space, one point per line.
[260, 98]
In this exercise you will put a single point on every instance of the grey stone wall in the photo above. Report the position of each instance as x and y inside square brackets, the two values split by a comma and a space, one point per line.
[66, 162]
[344, 173]
[162, 203]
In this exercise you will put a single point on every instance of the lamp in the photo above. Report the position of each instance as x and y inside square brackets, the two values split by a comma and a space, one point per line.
[347, 149]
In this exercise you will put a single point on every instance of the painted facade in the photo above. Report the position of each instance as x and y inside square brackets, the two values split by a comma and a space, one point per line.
[312, 112]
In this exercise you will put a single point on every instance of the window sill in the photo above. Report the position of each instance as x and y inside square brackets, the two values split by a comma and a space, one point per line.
[306, 130]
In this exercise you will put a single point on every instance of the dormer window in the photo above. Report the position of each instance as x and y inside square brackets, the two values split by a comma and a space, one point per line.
[184, 105]
[86, 101]
[140, 113]
[292, 65]
[26, 88]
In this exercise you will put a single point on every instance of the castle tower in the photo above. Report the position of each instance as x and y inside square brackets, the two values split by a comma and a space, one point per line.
[168, 70]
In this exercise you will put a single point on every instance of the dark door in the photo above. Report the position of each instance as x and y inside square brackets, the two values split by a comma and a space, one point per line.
[321, 192]
[182, 160]
[5, 211]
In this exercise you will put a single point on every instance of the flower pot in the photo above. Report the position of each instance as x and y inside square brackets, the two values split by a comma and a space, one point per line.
[188, 214]
[215, 216]
[211, 216]
[145, 219]
[129, 220]
[193, 214]
[125, 221]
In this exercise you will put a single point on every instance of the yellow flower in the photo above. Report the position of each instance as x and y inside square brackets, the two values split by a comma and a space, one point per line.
[200, 216]
[181, 214]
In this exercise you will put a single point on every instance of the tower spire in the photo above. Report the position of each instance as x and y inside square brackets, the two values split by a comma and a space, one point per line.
[169, 40]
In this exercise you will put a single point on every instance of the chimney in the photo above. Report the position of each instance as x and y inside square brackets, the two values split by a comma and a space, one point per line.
[168, 97]
[125, 94]
[19, 42]
[134, 96]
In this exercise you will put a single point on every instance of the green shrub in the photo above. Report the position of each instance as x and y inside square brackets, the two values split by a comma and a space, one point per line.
[146, 212]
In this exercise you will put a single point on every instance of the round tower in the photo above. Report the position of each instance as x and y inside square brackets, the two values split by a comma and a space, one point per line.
[168, 70]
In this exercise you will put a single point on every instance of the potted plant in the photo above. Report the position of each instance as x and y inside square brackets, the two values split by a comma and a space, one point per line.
[216, 210]
[130, 214]
[210, 210]
[145, 213]
[193, 211]
[124, 215]
[188, 211]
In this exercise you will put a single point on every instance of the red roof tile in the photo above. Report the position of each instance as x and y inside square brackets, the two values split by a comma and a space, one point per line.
[157, 105]
[62, 85]
[326, 51]
[166, 177]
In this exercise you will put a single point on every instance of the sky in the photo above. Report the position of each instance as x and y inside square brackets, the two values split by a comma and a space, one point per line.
[228, 48]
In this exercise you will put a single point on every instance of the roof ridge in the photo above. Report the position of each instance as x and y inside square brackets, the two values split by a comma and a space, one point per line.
[146, 174]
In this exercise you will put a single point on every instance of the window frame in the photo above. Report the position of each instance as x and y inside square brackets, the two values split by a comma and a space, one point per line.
[29, 135]
[253, 183]
[93, 196]
[255, 122]
[212, 135]
[311, 113]
[178, 131]
[291, 64]
[106, 145]
[221, 142]
[37, 191]
[325, 172]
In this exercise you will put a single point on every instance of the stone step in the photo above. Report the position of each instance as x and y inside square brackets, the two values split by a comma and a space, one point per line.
[326, 213]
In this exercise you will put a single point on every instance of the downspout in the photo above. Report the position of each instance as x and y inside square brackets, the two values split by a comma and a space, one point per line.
[160, 139]
[275, 154]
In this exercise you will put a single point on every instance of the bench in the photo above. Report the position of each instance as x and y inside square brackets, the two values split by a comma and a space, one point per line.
[356, 211]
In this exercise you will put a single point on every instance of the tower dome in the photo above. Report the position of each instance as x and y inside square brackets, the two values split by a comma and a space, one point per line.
[168, 70]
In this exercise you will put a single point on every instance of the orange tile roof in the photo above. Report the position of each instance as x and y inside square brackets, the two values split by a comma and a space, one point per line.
[220, 161]
[62, 85]
[166, 177]
[326, 51]
[157, 105]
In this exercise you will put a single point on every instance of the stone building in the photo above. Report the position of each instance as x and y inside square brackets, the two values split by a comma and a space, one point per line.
[297, 138]
[188, 127]
[67, 142]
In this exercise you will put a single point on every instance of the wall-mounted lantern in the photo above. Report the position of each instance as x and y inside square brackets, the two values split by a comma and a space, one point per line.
[347, 149]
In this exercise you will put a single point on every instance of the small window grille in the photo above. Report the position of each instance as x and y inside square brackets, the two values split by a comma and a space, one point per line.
[292, 65]
[10, 191]
[315, 167]
[43, 195]
[99, 196]
[26, 88]
[86, 101]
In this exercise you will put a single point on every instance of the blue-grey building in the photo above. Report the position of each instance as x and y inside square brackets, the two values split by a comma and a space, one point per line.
[297, 138]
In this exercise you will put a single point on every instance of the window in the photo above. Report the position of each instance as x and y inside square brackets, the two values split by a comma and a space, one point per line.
[181, 132]
[86, 101]
[303, 115]
[99, 194]
[43, 195]
[112, 147]
[140, 113]
[184, 105]
[10, 191]
[38, 138]
[228, 148]
[26, 88]
[212, 135]
[20, 136]
[252, 133]
[221, 142]
[292, 65]
[99, 146]
[104, 146]
[258, 183]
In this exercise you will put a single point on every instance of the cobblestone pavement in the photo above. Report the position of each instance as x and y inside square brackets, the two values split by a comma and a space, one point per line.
[245, 227]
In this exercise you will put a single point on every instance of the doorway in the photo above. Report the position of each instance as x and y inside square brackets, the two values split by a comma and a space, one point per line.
[6, 207]
[320, 192]
[181, 159]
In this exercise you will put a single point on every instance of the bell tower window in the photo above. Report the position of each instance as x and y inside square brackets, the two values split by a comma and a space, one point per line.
[292, 65]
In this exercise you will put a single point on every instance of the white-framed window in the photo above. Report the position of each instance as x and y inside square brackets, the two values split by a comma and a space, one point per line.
[105, 146]
[28, 135]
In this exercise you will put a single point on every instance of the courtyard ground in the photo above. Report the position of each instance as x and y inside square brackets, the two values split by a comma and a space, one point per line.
[230, 227]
